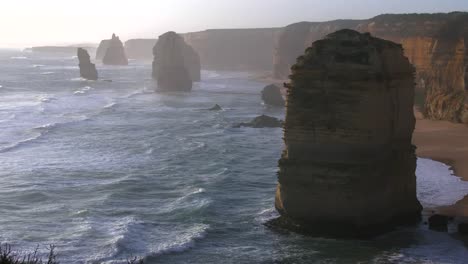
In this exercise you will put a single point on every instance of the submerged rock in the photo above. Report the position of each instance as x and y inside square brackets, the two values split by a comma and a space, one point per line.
[271, 95]
[87, 69]
[216, 108]
[115, 53]
[438, 222]
[262, 121]
[175, 65]
[349, 166]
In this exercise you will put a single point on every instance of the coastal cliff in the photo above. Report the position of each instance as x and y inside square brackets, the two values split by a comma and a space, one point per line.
[348, 168]
[87, 69]
[434, 43]
[235, 49]
[140, 49]
[174, 65]
[115, 53]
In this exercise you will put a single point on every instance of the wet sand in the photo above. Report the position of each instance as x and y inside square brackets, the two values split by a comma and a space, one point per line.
[448, 143]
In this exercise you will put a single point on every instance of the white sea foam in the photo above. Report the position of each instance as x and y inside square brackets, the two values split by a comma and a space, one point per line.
[436, 184]
[182, 242]
[47, 73]
[19, 58]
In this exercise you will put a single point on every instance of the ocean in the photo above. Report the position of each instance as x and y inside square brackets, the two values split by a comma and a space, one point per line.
[109, 170]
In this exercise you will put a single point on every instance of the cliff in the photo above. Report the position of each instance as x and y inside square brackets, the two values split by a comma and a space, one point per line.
[235, 49]
[170, 67]
[434, 44]
[115, 53]
[349, 166]
[140, 49]
[87, 69]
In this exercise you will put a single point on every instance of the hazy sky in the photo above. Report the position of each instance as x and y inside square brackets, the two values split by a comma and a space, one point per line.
[25, 23]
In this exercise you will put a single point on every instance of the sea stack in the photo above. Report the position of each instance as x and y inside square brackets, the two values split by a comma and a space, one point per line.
[176, 65]
[115, 53]
[271, 95]
[348, 168]
[87, 69]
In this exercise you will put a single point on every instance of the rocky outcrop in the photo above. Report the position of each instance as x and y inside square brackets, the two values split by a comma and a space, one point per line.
[192, 62]
[271, 95]
[175, 64]
[235, 49]
[115, 53]
[262, 121]
[87, 69]
[216, 108]
[140, 49]
[348, 168]
[102, 48]
[434, 43]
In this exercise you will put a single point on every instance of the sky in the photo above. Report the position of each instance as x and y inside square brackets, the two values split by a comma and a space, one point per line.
[26, 23]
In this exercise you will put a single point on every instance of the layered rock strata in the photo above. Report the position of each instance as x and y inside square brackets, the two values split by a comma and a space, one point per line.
[115, 53]
[434, 43]
[348, 168]
[87, 69]
[175, 65]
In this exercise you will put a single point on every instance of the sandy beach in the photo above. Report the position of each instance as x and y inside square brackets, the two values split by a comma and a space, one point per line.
[448, 143]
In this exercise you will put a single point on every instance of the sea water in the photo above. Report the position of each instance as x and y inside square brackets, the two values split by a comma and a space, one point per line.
[109, 170]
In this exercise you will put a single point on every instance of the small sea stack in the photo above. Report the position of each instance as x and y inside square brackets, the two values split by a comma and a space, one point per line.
[87, 69]
[348, 168]
[262, 121]
[176, 65]
[115, 53]
[102, 48]
[271, 96]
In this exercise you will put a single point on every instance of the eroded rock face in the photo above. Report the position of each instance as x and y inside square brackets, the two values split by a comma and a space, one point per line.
[175, 64]
[87, 69]
[434, 43]
[349, 166]
[115, 53]
[271, 95]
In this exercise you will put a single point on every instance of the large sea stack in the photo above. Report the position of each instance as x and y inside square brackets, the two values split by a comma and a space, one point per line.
[87, 69]
[348, 168]
[115, 53]
[176, 65]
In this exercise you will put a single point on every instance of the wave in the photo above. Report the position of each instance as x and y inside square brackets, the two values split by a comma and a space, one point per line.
[19, 58]
[47, 73]
[39, 132]
[267, 215]
[437, 185]
[21, 143]
[182, 242]
[37, 65]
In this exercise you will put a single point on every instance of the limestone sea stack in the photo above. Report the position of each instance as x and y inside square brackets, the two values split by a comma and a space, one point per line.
[87, 69]
[348, 168]
[175, 65]
[102, 48]
[115, 53]
[271, 95]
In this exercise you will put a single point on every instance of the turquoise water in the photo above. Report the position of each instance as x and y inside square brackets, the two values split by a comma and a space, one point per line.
[105, 170]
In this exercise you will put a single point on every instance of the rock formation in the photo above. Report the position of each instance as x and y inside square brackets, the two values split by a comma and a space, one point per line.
[87, 69]
[140, 49]
[271, 95]
[348, 168]
[216, 108]
[192, 62]
[102, 48]
[235, 49]
[262, 121]
[175, 66]
[115, 53]
[434, 43]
